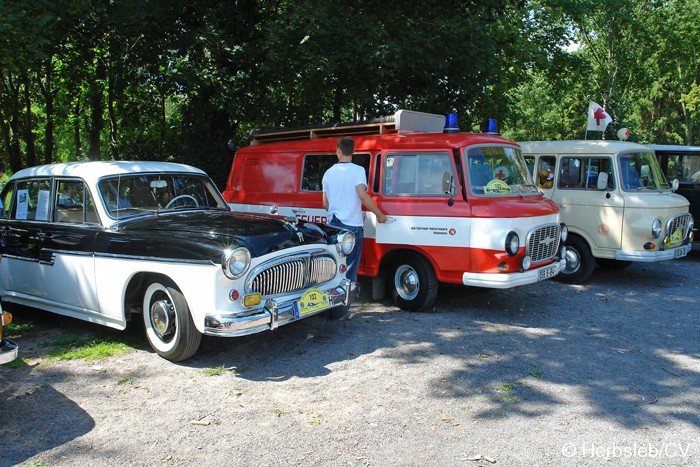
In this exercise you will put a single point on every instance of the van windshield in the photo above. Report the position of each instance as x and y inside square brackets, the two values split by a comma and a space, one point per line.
[641, 171]
[498, 171]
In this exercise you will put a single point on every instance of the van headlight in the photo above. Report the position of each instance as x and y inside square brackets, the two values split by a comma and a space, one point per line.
[564, 232]
[656, 228]
[235, 263]
[346, 242]
[512, 243]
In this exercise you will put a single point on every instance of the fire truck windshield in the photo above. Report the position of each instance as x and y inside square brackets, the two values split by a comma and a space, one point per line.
[497, 171]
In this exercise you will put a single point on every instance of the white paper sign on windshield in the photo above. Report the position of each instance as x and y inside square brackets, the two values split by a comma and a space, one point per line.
[42, 208]
[22, 204]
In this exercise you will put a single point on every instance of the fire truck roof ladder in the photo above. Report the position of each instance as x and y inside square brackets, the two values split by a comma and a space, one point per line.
[401, 121]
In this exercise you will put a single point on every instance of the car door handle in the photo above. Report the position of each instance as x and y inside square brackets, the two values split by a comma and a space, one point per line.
[390, 219]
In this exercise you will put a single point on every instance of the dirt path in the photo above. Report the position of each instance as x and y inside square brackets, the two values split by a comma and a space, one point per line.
[544, 375]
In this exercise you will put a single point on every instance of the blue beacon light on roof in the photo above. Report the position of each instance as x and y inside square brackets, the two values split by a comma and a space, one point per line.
[451, 124]
[491, 127]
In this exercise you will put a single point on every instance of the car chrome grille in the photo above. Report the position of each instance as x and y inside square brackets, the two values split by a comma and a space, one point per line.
[679, 222]
[543, 242]
[292, 273]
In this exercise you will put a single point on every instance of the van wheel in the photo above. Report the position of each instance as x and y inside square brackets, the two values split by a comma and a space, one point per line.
[413, 285]
[169, 326]
[612, 264]
[579, 262]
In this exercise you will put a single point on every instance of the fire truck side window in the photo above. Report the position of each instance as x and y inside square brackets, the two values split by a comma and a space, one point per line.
[315, 165]
[416, 174]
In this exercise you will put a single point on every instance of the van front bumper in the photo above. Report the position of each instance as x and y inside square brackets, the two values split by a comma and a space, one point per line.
[269, 316]
[513, 279]
[8, 351]
[653, 256]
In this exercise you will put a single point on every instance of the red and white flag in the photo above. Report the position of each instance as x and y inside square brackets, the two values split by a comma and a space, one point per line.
[598, 118]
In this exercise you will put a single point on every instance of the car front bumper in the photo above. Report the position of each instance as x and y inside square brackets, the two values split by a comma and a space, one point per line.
[8, 351]
[513, 279]
[653, 256]
[269, 316]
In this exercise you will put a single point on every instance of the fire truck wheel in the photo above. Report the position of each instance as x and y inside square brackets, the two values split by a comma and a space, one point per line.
[413, 282]
[612, 264]
[579, 262]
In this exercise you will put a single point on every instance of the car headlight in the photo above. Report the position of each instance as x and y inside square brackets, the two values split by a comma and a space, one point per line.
[512, 243]
[236, 262]
[656, 228]
[691, 224]
[346, 242]
[564, 232]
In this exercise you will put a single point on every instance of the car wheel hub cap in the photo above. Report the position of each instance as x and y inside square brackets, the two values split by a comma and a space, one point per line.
[573, 261]
[162, 315]
[406, 282]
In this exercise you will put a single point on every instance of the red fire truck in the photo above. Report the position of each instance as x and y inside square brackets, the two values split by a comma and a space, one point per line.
[461, 207]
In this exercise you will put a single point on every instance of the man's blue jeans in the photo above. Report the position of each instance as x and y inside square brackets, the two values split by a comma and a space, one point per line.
[354, 258]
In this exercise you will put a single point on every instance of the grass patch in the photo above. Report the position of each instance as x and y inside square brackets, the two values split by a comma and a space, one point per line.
[279, 412]
[16, 329]
[72, 347]
[507, 387]
[126, 380]
[219, 370]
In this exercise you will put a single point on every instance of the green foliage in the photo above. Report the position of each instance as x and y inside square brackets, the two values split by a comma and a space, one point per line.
[177, 80]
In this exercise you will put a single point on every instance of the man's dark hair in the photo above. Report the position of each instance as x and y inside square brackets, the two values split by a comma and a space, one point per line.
[346, 145]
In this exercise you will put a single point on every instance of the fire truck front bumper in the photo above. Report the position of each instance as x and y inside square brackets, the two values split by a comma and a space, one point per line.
[513, 279]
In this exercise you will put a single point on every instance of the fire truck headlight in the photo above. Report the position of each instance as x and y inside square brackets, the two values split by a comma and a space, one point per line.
[235, 263]
[346, 242]
[564, 232]
[512, 243]
[526, 262]
[656, 228]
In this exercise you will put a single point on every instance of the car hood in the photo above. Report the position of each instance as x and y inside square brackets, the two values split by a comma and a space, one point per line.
[260, 234]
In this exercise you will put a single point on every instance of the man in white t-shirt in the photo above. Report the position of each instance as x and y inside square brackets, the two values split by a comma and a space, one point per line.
[344, 193]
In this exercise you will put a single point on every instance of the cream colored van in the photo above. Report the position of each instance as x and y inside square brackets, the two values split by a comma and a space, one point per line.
[615, 200]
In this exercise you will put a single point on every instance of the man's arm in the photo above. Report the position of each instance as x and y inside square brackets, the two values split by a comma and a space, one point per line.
[325, 201]
[369, 203]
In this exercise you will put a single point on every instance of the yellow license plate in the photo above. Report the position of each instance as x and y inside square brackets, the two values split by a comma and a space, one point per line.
[676, 237]
[311, 301]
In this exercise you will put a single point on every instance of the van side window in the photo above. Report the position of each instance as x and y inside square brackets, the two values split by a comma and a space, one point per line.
[315, 165]
[582, 172]
[32, 200]
[416, 173]
[545, 171]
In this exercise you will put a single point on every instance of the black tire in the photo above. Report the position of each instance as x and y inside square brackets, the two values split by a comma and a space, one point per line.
[168, 323]
[579, 262]
[612, 264]
[413, 283]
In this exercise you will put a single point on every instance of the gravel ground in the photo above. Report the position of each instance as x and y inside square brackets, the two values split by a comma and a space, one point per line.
[551, 374]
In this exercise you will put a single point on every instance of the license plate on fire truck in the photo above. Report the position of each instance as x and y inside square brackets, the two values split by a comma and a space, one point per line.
[546, 273]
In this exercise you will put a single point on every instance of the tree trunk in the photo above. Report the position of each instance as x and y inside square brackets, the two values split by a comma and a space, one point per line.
[47, 92]
[28, 123]
[76, 130]
[97, 108]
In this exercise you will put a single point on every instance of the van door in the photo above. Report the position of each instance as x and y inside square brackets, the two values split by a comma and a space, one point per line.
[416, 193]
[595, 214]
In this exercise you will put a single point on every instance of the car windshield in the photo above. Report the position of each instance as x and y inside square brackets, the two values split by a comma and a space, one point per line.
[134, 194]
[498, 171]
[641, 171]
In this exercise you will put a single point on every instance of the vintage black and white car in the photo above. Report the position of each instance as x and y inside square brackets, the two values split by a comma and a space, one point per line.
[100, 241]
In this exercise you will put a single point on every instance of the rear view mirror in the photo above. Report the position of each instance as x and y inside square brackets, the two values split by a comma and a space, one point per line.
[602, 181]
[159, 184]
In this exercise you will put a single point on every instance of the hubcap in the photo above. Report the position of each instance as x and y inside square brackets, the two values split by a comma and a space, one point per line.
[406, 282]
[162, 316]
[573, 261]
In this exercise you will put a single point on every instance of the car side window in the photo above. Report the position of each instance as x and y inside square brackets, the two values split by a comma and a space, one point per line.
[6, 200]
[74, 204]
[545, 172]
[32, 200]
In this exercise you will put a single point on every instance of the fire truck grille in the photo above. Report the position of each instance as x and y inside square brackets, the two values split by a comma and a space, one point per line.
[292, 274]
[679, 222]
[543, 242]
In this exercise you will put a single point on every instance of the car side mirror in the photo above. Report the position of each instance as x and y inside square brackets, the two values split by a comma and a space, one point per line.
[602, 181]
[448, 182]
[674, 184]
